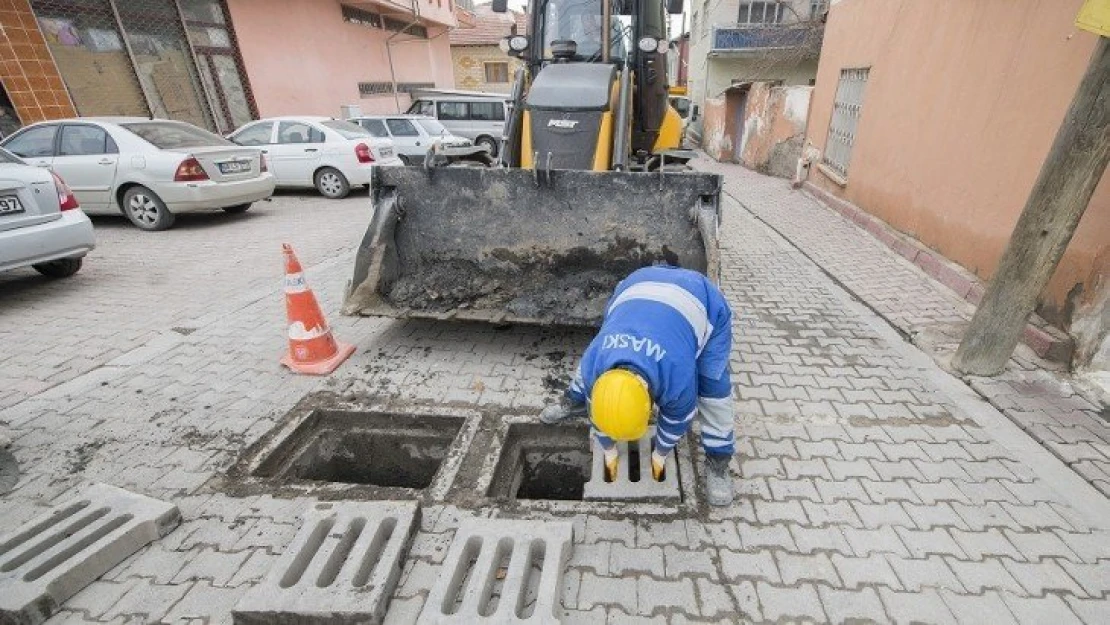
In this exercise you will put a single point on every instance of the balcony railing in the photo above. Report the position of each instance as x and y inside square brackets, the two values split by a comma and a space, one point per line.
[759, 38]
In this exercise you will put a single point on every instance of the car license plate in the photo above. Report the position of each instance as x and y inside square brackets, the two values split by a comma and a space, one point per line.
[10, 204]
[386, 152]
[235, 167]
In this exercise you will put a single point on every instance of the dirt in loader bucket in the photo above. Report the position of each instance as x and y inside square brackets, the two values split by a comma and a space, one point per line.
[512, 246]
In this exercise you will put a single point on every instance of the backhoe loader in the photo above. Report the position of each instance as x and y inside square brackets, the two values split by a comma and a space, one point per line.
[591, 184]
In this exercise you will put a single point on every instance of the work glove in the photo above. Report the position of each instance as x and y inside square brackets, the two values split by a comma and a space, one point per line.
[612, 459]
[658, 464]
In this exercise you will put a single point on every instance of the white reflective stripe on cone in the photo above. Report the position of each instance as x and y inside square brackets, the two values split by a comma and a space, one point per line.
[295, 283]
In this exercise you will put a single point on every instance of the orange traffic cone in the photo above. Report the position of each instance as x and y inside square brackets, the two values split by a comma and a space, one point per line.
[312, 349]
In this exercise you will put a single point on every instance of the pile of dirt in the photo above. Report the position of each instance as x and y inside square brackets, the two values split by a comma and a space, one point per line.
[573, 298]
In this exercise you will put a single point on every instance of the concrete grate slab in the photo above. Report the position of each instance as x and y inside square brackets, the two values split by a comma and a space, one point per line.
[501, 571]
[49, 559]
[623, 488]
[342, 566]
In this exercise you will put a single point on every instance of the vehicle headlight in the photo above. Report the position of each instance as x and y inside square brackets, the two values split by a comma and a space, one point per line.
[648, 44]
[516, 43]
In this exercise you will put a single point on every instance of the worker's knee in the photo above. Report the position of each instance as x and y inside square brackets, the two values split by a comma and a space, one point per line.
[720, 387]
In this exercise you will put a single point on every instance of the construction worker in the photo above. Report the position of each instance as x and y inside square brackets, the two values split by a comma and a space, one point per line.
[664, 344]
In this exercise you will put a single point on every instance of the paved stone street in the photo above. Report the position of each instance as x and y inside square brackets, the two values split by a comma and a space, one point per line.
[873, 485]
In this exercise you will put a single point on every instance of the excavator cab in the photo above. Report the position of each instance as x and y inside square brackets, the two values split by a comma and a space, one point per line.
[591, 185]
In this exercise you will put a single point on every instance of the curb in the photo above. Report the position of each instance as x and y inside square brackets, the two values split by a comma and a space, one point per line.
[1047, 341]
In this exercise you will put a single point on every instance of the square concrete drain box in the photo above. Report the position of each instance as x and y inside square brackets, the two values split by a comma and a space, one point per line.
[501, 571]
[543, 462]
[353, 448]
[342, 566]
[49, 559]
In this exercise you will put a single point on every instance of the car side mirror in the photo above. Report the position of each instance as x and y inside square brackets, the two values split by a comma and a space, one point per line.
[500, 6]
[674, 7]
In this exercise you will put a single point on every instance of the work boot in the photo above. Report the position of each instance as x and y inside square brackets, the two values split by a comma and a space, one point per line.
[565, 409]
[718, 480]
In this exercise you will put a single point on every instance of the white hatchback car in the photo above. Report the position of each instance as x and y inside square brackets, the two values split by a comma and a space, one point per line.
[329, 154]
[41, 224]
[150, 169]
[412, 135]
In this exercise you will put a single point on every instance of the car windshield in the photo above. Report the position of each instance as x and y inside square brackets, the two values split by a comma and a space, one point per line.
[433, 126]
[172, 135]
[346, 129]
[8, 157]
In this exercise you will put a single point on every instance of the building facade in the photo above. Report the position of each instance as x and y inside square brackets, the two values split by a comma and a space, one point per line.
[369, 54]
[678, 61]
[479, 63]
[216, 63]
[738, 42]
[936, 115]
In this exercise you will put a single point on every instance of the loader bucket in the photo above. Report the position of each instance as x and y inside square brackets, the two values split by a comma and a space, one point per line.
[524, 246]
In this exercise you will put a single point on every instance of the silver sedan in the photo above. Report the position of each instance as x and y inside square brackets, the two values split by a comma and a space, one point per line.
[148, 169]
[41, 224]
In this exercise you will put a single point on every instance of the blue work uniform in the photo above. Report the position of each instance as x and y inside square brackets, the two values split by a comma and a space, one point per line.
[673, 327]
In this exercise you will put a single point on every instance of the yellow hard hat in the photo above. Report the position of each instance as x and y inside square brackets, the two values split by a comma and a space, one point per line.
[620, 405]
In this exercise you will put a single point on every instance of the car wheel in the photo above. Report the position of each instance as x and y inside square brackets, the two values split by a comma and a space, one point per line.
[332, 184]
[146, 210]
[238, 208]
[61, 268]
[487, 143]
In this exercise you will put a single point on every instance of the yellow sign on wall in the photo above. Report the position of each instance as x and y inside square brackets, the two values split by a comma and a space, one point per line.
[1095, 17]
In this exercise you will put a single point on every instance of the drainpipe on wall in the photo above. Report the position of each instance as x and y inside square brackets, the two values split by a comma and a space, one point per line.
[415, 8]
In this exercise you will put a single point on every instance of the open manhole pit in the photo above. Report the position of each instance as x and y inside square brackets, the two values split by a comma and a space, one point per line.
[542, 462]
[359, 448]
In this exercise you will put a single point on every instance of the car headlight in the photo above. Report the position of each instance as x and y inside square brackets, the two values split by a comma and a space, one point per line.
[648, 44]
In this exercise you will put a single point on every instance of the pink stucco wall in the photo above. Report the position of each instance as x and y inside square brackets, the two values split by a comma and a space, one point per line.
[303, 59]
[962, 104]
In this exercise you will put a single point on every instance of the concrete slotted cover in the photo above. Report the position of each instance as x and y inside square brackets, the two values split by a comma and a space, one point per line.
[623, 488]
[342, 566]
[51, 558]
[501, 571]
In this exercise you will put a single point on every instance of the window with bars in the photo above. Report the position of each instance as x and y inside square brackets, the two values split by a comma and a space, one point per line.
[369, 89]
[847, 107]
[817, 8]
[760, 12]
[497, 72]
[371, 19]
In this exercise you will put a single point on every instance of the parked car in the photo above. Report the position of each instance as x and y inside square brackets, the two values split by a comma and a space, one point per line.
[480, 119]
[412, 135]
[149, 169]
[329, 154]
[41, 223]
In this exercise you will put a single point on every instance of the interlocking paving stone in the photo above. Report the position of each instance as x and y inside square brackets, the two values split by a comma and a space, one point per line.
[49, 559]
[342, 566]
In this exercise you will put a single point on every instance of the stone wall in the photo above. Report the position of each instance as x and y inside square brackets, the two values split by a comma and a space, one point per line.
[470, 68]
[774, 128]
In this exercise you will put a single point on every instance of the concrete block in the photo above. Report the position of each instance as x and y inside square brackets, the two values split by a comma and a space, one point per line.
[342, 566]
[48, 559]
[623, 488]
[502, 571]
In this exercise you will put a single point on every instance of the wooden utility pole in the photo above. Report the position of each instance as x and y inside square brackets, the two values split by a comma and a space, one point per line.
[1059, 198]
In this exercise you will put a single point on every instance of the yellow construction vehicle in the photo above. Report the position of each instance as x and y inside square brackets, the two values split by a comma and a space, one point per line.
[591, 184]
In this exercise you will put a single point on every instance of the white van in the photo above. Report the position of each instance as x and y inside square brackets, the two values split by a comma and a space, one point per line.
[478, 118]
